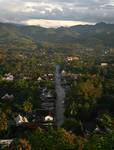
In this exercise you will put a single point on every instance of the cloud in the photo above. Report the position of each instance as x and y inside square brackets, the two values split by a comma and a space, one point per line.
[92, 11]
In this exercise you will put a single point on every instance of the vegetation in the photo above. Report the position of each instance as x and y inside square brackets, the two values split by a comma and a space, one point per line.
[30, 54]
[3, 122]
[100, 142]
[57, 139]
[21, 144]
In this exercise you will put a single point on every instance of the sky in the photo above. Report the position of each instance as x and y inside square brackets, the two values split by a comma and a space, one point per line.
[55, 13]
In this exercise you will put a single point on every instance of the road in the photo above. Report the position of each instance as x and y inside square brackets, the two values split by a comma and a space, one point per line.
[60, 98]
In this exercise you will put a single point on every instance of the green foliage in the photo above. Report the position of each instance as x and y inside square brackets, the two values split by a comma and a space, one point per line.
[100, 142]
[73, 125]
[54, 140]
[20, 144]
[81, 98]
[27, 106]
[88, 92]
[26, 37]
[106, 120]
[3, 122]
[31, 52]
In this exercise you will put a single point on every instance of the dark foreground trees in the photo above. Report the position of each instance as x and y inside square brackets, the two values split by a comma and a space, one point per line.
[60, 139]
[101, 142]
[55, 139]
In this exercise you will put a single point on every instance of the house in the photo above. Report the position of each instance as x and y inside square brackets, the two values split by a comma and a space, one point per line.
[44, 91]
[8, 77]
[50, 76]
[39, 79]
[27, 78]
[76, 58]
[104, 64]
[97, 129]
[7, 97]
[6, 142]
[48, 118]
[49, 95]
[20, 120]
[63, 72]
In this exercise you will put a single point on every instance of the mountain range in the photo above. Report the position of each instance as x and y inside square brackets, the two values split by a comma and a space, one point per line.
[13, 36]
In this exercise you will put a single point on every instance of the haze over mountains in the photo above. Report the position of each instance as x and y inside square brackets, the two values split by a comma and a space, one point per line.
[86, 35]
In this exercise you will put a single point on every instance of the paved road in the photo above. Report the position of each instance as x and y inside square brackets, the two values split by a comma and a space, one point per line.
[60, 98]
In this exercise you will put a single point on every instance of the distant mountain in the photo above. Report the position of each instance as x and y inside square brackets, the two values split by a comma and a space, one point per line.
[26, 36]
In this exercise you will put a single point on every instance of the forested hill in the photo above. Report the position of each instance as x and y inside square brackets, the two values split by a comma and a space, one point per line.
[13, 36]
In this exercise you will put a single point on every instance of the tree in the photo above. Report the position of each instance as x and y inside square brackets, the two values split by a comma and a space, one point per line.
[100, 142]
[55, 139]
[82, 97]
[73, 125]
[20, 144]
[88, 92]
[3, 122]
[27, 106]
[105, 121]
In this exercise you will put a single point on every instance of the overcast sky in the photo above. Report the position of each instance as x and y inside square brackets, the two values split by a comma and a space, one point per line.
[52, 13]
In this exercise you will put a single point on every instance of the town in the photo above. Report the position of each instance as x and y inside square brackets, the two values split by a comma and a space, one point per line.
[56, 79]
[46, 93]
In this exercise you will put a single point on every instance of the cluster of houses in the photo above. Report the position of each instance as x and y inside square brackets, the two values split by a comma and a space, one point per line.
[70, 75]
[48, 104]
[46, 77]
[22, 122]
[10, 77]
[47, 100]
[43, 116]
[68, 78]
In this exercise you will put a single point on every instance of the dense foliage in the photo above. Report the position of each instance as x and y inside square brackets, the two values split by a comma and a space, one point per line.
[30, 54]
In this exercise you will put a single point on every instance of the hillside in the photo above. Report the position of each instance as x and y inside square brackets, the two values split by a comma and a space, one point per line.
[13, 36]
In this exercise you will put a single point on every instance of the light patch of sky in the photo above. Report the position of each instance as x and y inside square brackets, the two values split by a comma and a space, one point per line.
[53, 23]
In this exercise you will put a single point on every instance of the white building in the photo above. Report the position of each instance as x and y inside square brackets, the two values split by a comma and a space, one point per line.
[20, 120]
[48, 118]
[104, 64]
[8, 77]
[72, 58]
[6, 142]
[39, 79]
[63, 72]
[49, 95]
[7, 96]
